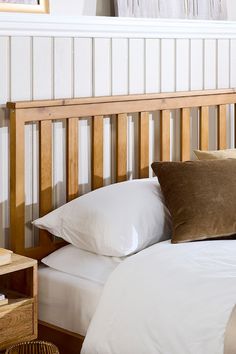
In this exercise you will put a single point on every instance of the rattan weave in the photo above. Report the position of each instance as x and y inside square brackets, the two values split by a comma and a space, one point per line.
[36, 347]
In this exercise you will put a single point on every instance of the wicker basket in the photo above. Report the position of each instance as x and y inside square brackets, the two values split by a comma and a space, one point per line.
[36, 347]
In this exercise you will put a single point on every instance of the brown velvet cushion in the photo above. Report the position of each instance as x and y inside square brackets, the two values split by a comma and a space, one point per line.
[201, 197]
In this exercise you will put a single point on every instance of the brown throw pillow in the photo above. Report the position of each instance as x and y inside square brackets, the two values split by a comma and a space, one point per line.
[201, 197]
[215, 154]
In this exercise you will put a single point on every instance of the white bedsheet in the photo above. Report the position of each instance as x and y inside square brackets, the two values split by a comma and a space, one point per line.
[168, 299]
[67, 301]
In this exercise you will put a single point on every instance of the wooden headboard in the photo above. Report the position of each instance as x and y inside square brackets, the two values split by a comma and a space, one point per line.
[70, 110]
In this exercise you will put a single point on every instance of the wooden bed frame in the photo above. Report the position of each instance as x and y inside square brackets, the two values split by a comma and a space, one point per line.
[70, 110]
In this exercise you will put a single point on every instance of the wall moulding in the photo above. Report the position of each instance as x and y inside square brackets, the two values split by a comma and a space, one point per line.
[89, 26]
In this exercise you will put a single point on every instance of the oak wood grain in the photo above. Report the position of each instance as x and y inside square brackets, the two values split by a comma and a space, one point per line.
[121, 148]
[204, 128]
[165, 135]
[222, 144]
[72, 159]
[97, 152]
[18, 319]
[144, 145]
[185, 134]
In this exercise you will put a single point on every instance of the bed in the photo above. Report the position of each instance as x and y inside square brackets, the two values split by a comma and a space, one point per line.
[64, 332]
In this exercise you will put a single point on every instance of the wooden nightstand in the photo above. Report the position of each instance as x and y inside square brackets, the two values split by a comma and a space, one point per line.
[18, 319]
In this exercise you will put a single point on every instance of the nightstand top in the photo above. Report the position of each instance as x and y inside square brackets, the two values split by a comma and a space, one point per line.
[18, 263]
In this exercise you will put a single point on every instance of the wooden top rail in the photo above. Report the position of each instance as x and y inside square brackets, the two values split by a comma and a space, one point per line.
[35, 111]
[120, 98]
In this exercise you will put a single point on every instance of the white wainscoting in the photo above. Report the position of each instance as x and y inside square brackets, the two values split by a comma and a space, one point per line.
[57, 60]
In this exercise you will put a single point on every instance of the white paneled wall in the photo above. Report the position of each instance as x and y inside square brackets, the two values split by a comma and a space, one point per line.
[36, 67]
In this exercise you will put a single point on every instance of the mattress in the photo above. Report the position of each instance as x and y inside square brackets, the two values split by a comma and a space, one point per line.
[67, 301]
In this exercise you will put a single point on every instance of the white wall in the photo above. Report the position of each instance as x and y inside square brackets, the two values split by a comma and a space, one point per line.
[104, 8]
[231, 4]
[82, 7]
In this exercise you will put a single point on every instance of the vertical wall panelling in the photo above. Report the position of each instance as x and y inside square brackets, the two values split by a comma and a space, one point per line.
[182, 84]
[196, 83]
[223, 63]
[168, 80]
[210, 82]
[21, 68]
[196, 64]
[63, 67]
[136, 66]
[4, 68]
[232, 63]
[42, 68]
[102, 66]
[4, 140]
[119, 64]
[152, 67]
[83, 79]
[168, 65]
[182, 65]
[210, 61]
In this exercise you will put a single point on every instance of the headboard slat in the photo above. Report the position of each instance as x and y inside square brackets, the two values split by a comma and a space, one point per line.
[165, 135]
[121, 148]
[204, 128]
[221, 126]
[144, 145]
[45, 166]
[185, 134]
[97, 152]
[234, 106]
[45, 175]
[72, 159]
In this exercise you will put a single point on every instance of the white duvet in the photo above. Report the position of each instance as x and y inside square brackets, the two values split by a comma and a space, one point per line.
[168, 299]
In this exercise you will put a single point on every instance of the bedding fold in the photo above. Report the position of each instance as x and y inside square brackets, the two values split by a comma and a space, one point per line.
[167, 299]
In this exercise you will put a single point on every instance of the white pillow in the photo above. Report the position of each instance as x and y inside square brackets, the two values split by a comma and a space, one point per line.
[116, 220]
[83, 264]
